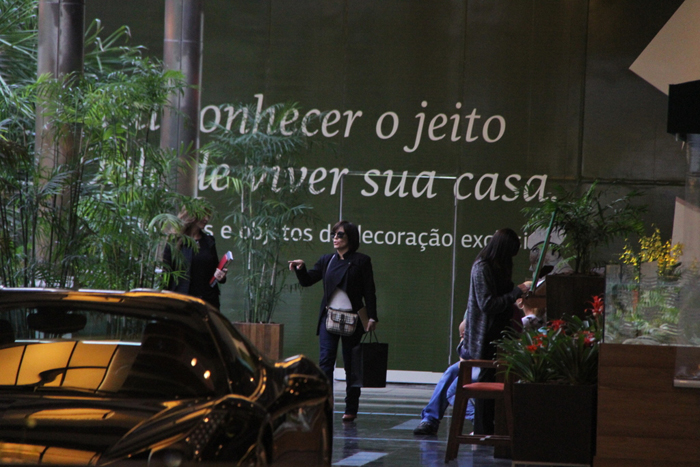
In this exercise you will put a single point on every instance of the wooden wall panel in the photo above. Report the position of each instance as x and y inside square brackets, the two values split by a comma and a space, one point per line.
[642, 419]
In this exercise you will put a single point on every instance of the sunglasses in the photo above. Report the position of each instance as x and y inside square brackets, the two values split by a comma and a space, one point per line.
[337, 234]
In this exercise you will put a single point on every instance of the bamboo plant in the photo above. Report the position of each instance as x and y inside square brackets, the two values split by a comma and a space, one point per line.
[267, 197]
[97, 219]
[587, 221]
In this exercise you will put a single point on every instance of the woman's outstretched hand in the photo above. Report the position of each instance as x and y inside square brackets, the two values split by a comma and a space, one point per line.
[296, 264]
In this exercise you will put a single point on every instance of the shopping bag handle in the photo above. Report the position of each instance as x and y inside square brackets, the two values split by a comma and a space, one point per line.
[371, 334]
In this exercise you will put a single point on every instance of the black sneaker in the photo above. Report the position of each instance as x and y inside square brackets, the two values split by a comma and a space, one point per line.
[426, 428]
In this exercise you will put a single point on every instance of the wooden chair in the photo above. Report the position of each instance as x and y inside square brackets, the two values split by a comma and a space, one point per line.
[467, 389]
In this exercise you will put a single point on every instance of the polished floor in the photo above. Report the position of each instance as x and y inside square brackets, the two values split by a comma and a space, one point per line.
[383, 435]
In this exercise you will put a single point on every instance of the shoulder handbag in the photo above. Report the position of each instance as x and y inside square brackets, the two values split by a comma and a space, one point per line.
[341, 322]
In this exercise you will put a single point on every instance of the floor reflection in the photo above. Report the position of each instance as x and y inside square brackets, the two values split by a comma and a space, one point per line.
[351, 445]
[382, 435]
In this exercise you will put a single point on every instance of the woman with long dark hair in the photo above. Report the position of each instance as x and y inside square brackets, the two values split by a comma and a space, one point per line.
[348, 285]
[492, 295]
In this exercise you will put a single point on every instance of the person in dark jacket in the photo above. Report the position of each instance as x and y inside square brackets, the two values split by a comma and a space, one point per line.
[492, 296]
[196, 261]
[348, 285]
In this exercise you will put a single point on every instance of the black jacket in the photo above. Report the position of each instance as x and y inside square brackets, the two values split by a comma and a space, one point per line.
[357, 282]
[198, 268]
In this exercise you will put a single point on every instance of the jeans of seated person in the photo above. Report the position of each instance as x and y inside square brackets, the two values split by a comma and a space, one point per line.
[443, 396]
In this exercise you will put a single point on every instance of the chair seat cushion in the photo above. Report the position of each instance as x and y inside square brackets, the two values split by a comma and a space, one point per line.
[495, 387]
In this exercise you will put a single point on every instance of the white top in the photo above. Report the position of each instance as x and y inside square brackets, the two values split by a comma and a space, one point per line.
[340, 301]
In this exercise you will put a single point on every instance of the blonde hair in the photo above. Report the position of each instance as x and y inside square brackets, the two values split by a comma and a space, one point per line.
[189, 220]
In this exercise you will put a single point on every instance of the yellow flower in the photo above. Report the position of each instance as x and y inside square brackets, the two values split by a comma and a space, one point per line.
[651, 248]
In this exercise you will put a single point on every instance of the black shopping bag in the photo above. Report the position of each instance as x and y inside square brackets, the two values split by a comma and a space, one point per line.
[369, 363]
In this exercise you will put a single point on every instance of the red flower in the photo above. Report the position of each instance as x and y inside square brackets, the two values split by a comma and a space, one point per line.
[557, 324]
[532, 348]
[588, 338]
[538, 340]
[597, 306]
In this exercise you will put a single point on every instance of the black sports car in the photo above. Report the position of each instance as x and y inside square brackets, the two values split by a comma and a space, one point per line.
[99, 377]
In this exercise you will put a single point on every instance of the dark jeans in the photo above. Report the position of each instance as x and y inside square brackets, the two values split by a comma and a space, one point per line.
[328, 354]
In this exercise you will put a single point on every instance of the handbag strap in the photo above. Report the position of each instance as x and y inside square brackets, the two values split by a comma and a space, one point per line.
[325, 276]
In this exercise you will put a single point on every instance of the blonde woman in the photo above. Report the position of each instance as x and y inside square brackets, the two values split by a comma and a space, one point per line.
[197, 262]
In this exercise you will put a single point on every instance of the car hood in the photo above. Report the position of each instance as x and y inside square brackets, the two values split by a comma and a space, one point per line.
[86, 430]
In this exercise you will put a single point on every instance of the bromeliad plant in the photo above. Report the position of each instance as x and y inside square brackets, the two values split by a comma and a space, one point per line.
[563, 352]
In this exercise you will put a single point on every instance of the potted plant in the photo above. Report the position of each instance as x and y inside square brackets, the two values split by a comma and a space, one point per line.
[587, 221]
[267, 199]
[646, 298]
[554, 372]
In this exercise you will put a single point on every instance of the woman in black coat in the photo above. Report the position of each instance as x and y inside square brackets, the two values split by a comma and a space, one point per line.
[196, 262]
[348, 285]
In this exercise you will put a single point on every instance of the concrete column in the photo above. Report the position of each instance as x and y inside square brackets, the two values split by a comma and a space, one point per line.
[692, 182]
[182, 51]
[60, 53]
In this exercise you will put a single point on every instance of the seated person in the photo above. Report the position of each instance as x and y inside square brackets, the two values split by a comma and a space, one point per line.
[533, 316]
[533, 304]
[444, 394]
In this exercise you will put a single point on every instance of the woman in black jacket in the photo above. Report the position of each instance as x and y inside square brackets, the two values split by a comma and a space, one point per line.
[197, 261]
[348, 285]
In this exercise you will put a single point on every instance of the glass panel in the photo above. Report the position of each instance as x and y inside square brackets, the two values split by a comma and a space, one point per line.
[687, 373]
[643, 308]
[244, 364]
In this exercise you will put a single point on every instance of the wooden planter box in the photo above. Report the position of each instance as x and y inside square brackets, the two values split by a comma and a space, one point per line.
[554, 423]
[643, 420]
[570, 294]
[268, 338]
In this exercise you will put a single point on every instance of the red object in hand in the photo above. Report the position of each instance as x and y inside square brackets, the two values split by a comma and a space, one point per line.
[225, 260]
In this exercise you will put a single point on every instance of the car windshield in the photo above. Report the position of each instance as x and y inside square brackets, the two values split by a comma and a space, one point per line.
[82, 348]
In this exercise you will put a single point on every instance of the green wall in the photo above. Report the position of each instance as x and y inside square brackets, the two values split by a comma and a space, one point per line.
[514, 89]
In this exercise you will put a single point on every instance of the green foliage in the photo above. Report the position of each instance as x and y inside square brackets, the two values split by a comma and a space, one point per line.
[18, 42]
[587, 221]
[18, 65]
[96, 218]
[267, 198]
[564, 352]
[655, 310]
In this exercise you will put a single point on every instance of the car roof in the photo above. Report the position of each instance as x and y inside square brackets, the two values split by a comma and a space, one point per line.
[144, 300]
